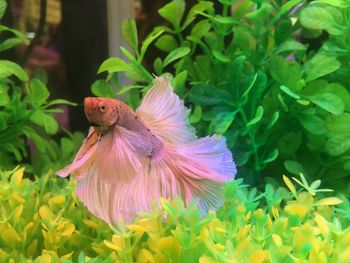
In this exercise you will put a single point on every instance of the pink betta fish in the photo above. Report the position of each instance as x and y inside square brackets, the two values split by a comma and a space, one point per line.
[130, 160]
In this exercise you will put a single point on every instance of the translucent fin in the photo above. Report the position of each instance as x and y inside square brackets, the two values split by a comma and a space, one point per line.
[202, 167]
[120, 155]
[165, 114]
[123, 199]
[83, 156]
[193, 171]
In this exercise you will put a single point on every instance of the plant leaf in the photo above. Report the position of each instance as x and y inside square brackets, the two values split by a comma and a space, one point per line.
[328, 201]
[3, 6]
[290, 185]
[166, 43]
[173, 12]
[338, 144]
[319, 66]
[328, 102]
[222, 121]
[176, 54]
[129, 32]
[319, 18]
[258, 116]
[102, 88]
[8, 68]
[113, 65]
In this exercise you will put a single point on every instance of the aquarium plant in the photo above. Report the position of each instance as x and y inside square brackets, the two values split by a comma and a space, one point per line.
[249, 71]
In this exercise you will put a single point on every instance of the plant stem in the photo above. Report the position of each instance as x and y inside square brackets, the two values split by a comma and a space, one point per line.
[252, 140]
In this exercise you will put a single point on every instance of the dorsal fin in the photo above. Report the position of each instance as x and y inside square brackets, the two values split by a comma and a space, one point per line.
[164, 113]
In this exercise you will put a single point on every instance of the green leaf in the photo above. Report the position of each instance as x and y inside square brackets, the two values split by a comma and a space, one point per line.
[60, 101]
[338, 123]
[42, 119]
[113, 65]
[319, 18]
[199, 7]
[290, 142]
[313, 124]
[320, 65]
[4, 96]
[222, 121]
[158, 66]
[346, 166]
[290, 46]
[258, 116]
[289, 92]
[8, 68]
[102, 88]
[250, 86]
[125, 89]
[38, 92]
[3, 123]
[287, 73]
[336, 3]
[243, 158]
[150, 38]
[39, 141]
[294, 167]
[3, 6]
[129, 32]
[10, 43]
[173, 12]
[176, 54]
[338, 144]
[220, 56]
[286, 7]
[166, 43]
[274, 119]
[272, 156]
[205, 94]
[196, 114]
[328, 102]
[259, 15]
[179, 83]
[201, 28]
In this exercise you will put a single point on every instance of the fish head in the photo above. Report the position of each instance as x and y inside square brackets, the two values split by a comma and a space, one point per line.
[102, 113]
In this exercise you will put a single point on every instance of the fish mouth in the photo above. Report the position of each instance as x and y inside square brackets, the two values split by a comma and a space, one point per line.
[94, 124]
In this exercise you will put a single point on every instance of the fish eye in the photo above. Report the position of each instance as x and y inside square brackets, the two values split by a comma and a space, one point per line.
[103, 108]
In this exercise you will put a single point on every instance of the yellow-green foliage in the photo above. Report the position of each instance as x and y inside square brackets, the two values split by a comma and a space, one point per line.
[41, 220]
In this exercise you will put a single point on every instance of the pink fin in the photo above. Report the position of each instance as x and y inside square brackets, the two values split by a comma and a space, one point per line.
[123, 199]
[120, 155]
[165, 114]
[83, 156]
[193, 171]
[202, 166]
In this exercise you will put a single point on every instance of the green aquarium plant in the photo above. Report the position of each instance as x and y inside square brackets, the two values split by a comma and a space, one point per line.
[247, 70]
[27, 115]
[41, 220]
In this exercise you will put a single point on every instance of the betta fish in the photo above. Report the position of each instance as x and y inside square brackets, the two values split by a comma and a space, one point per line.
[130, 160]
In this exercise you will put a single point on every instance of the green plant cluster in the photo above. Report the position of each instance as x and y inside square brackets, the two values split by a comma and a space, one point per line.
[248, 71]
[27, 115]
[42, 221]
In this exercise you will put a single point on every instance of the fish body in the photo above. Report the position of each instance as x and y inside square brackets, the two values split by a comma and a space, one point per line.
[105, 113]
[131, 159]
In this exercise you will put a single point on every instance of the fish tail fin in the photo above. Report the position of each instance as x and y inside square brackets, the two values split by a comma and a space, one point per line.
[195, 170]
[200, 168]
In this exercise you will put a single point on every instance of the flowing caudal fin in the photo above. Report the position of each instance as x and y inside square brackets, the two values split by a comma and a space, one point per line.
[165, 114]
[193, 171]
[202, 167]
[83, 156]
[122, 200]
